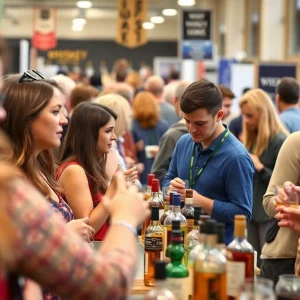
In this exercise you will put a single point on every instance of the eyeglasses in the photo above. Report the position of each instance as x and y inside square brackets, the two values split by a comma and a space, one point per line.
[31, 75]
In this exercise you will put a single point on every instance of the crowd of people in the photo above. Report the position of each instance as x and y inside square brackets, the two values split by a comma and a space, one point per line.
[75, 155]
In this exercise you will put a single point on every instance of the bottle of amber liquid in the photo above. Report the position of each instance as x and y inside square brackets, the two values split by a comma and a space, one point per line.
[167, 210]
[188, 210]
[240, 259]
[155, 200]
[210, 268]
[153, 247]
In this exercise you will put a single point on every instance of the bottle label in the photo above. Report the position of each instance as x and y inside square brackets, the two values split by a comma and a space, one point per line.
[153, 243]
[235, 277]
[179, 287]
[190, 224]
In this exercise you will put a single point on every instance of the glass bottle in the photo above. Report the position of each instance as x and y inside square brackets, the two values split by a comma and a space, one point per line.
[210, 268]
[177, 272]
[188, 210]
[167, 209]
[175, 215]
[240, 259]
[192, 238]
[153, 246]
[161, 290]
[155, 200]
[288, 287]
[220, 240]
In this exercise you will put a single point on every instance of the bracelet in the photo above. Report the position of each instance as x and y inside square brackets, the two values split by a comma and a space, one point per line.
[127, 225]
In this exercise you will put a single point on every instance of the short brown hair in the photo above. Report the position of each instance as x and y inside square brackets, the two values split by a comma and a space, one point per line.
[146, 110]
[82, 93]
[201, 94]
[226, 92]
[288, 90]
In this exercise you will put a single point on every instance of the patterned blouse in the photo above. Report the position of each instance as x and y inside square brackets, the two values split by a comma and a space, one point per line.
[55, 257]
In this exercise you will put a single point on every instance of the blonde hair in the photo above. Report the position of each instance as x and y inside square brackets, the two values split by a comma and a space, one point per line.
[120, 106]
[146, 110]
[269, 123]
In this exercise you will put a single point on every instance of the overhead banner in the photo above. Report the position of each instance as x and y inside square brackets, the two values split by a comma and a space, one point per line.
[131, 16]
[44, 28]
[269, 75]
[196, 38]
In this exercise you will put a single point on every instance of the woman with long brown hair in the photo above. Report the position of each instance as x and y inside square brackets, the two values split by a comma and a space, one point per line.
[147, 129]
[263, 135]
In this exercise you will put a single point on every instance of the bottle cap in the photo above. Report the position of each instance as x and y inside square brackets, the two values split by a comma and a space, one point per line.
[155, 213]
[204, 218]
[176, 199]
[155, 185]
[171, 197]
[220, 232]
[240, 218]
[160, 269]
[150, 178]
[210, 226]
[175, 225]
[176, 237]
[189, 193]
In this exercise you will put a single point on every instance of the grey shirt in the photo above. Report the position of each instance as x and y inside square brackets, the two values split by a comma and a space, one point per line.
[168, 113]
[166, 147]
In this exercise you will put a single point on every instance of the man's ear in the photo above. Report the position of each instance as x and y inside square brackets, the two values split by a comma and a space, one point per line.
[219, 115]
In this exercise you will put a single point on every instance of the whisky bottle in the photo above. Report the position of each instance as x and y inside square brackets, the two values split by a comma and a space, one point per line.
[210, 268]
[220, 238]
[153, 246]
[167, 209]
[240, 259]
[161, 290]
[177, 272]
[188, 210]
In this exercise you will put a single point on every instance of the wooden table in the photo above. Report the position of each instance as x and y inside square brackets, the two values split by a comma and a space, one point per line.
[139, 288]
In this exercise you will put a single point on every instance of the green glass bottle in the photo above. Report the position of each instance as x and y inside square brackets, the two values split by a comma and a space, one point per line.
[177, 272]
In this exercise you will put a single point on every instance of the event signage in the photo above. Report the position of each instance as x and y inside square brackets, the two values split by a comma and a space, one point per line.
[44, 28]
[131, 16]
[196, 37]
[269, 75]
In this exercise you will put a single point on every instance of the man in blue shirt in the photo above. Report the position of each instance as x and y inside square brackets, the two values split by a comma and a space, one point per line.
[287, 98]
[217, 166]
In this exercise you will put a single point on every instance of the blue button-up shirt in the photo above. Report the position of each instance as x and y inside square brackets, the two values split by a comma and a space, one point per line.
[291, 119]
[227, 177]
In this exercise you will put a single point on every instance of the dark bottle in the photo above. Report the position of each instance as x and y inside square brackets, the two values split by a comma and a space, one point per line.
[188, 210]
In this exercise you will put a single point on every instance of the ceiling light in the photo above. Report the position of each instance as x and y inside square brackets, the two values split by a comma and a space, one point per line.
[84, 4]
[148, 25]
[169, 12]
[157, 19]
[186, 2]
[77, 27]
[79, 21]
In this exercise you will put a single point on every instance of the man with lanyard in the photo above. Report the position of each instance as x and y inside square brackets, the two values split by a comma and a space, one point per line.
[215, 163]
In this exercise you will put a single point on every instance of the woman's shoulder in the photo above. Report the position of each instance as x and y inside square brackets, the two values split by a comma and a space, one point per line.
[70, 169]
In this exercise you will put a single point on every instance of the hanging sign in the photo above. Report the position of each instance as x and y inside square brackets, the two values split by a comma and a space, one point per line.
[131, 16]
[44, 28]
[196, 38]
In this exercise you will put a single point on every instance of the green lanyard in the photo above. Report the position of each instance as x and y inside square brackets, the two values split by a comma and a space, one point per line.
[193, 181]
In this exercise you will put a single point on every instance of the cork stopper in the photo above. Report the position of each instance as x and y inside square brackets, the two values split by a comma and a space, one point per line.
[239, 226]
[189, 193]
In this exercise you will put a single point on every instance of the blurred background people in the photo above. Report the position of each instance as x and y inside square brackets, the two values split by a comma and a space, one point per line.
[227, 100]
[263, 136]
[287, 100]
[147, 129]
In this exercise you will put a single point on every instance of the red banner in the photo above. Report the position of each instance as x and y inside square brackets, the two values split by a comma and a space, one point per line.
[44, 28]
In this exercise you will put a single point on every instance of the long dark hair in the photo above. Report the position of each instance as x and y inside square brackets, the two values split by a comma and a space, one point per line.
[24, 102]
[81, 141]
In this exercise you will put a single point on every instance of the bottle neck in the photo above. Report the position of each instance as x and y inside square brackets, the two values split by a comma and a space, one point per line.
[166, 206]
[160, 283]
[149, 189]
[239, 230]
[196, 227]
[176, 208]
[154, 223]
[210, 240]
[188, 202]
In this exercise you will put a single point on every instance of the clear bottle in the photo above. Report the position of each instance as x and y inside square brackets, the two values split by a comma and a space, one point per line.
[210, 268]
[188, 209]
[175, 215]
[220, 240]
[177, 272]
[161, 291]
[192, 238]
[153, 246]
[240, 258]
[167, 210]
[155, 200]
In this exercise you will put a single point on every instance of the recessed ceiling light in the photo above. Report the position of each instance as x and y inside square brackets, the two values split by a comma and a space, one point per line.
[186, 2]
[84, 4]
[157, 19]
[148, 25]
[77, 27]
[169, 12]
[79, 21]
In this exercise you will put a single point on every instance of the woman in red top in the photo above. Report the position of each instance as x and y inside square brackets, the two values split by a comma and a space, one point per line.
[82, 174]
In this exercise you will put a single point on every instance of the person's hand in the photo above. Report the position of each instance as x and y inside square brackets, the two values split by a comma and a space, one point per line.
[257, 163]
[127, 204]
[131, 174]
[85, 231]
[178, 185]
[288, 217]
[282, 193]
[154, 152]
[140, 167]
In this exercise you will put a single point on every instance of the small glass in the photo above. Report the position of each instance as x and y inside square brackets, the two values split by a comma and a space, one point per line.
[291, 194]
[165, 192]
[288, 287]
[259, 289]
